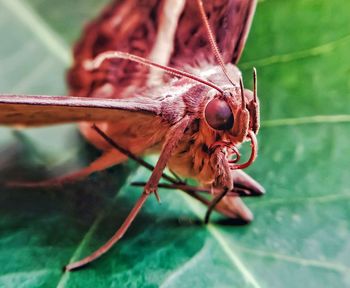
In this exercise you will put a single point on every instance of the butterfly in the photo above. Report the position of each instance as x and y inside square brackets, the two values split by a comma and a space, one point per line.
[160, 76]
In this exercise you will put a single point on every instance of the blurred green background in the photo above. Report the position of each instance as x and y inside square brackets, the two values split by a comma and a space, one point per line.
[300, 235]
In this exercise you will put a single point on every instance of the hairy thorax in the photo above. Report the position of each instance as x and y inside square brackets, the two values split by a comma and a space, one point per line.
[192, 156]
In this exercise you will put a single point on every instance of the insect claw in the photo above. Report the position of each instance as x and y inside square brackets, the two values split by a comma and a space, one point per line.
[157, 197]
[142, 184]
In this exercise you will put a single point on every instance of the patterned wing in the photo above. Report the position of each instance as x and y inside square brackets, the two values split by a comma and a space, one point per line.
[230, 21]
[129, 26]
[169, 32]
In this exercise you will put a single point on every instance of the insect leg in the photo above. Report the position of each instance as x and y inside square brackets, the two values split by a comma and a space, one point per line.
[108, 159]
[238, 191]
[213, 204]
[174, 135]
[176, 184]
[157, 171]
[230, 206]
[193, 191]
[172, 138]
[129, 154]
[119, 234]
[235, 207]
[227, 205]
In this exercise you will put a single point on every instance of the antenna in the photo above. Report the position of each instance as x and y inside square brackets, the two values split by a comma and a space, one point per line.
[212, 40]
[96, 63]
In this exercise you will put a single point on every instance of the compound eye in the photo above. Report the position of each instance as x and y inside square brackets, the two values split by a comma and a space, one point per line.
[219, 115]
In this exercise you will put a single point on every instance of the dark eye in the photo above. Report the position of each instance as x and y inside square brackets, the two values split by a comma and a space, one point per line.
[219, 115]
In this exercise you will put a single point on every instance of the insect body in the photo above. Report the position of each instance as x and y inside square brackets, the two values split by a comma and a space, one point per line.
[160, 76]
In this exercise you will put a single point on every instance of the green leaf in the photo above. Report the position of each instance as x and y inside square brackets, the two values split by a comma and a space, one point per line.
[300, 235]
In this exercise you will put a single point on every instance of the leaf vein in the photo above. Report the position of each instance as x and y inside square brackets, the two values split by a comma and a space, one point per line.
[236, 261]
[27, 81]
[297, 260]
[317, 199]
[289, 57]
[185, 267]
[87, 237]
[316, 119]
[40, 29]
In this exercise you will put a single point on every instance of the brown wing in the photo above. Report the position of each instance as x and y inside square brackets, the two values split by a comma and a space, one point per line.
[167, 32]
[124, 25]
[230, 21]
[43, 110]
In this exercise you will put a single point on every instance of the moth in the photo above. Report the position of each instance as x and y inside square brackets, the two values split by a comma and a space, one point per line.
[160, 76]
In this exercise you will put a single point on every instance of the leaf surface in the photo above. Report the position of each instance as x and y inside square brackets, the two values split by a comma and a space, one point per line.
[301, 231]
